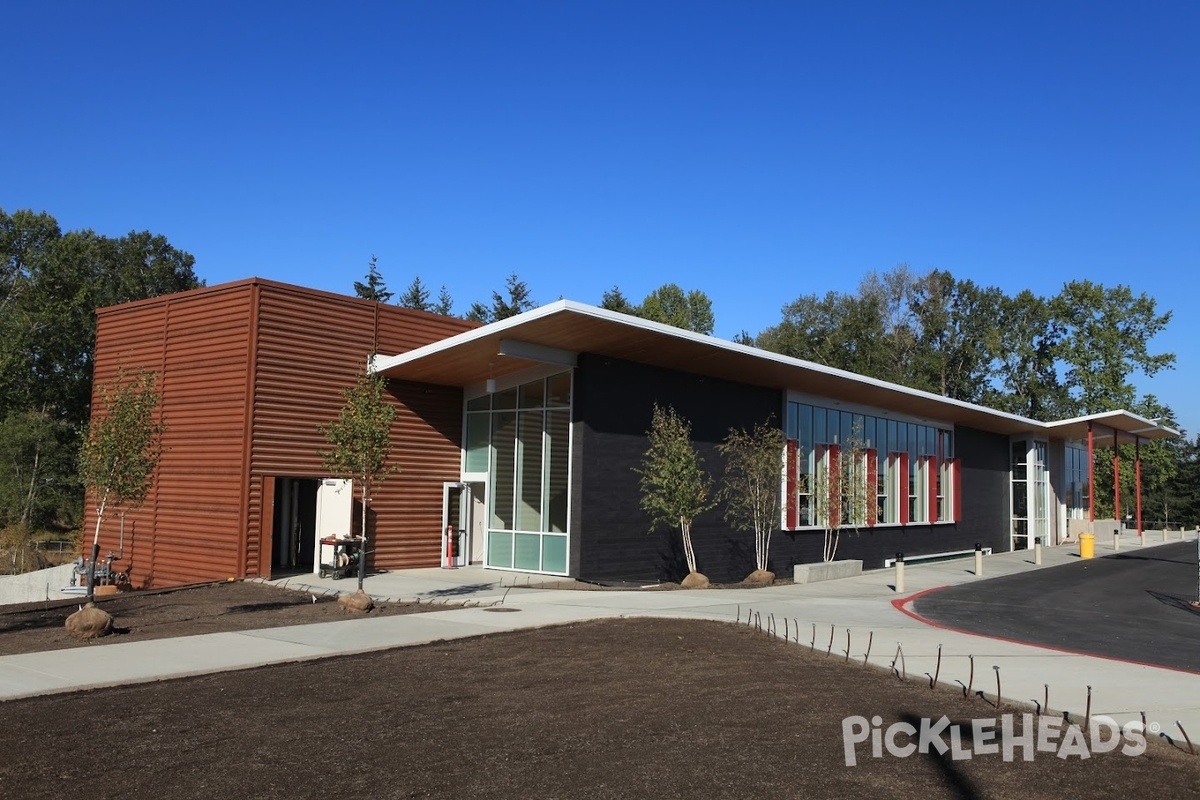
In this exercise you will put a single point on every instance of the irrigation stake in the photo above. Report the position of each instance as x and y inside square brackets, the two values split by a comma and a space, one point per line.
[771, 627]
[970, 678]
[812, 646]
[739, 616]
[870, 639]
[938, 669]
[796, 628]
[1046, 697]
[997, 685]
[903, 673]
[1087, 713]
[1186, 738]
[829, 650]
[786, 635]
[847, 661]
[1143, 722]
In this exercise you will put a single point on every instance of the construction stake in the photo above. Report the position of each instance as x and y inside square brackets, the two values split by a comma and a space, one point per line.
[1186, 738]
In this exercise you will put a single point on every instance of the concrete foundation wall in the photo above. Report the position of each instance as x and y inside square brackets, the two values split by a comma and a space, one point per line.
[42, 584]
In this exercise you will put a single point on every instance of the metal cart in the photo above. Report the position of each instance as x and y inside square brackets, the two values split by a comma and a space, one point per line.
[339, 556]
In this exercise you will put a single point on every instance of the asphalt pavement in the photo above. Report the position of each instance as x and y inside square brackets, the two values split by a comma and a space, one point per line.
[1131, 605]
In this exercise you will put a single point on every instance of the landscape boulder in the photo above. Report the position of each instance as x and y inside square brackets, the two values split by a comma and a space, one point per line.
[760, 577]
[695, 580]
[358, 603]
[89, 622]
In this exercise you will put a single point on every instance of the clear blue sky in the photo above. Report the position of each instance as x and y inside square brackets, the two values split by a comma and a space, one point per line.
[757, 151]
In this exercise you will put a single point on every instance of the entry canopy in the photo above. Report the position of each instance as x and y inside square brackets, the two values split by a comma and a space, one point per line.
[558, 332]
[1109, 427]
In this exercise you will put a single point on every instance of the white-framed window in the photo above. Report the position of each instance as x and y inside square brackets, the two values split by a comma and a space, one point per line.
[889, 471]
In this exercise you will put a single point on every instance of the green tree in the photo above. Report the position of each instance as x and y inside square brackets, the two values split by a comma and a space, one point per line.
[372, 286]
[36, 455]
[671, 305]
[360, 443]
[1106, 337]
[675, 489]
[416, 296]
[517, 301]
[615, 300]
[51, 283]
[121, 450]
[1025, 367]
[957, 324]
[750, 490]
[444, 304]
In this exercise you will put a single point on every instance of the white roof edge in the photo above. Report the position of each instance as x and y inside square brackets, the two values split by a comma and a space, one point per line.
[1151, 425]
[516, 321]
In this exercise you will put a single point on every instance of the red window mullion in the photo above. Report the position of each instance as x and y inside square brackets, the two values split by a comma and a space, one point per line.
[792, 513]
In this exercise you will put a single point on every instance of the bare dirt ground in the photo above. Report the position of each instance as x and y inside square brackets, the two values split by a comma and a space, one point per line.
[141, 616]
[613, 709]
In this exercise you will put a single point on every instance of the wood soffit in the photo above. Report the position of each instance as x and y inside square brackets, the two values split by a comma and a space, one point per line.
[472, 357]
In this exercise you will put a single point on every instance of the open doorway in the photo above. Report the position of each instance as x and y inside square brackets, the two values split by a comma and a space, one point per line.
[307, 510]
[294, 535]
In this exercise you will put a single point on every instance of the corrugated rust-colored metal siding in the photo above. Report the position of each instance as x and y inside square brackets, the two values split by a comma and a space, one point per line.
[246, 372]
[197, 345]
[310, 346]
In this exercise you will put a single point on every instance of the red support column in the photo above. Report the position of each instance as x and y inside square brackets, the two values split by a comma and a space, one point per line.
[1137, 479]
[1116, 478]
[1091, 476]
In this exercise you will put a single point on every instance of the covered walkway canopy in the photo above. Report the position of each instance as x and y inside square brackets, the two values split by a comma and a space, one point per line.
[1113, 429]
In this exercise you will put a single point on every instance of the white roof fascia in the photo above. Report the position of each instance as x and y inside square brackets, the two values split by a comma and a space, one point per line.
[380, 364]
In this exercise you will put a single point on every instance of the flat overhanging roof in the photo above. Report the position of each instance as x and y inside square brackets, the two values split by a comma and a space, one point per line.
[557, 332]
[1126, 426]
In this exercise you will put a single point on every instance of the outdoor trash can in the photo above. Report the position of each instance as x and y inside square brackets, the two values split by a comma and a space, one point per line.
[1087, 545]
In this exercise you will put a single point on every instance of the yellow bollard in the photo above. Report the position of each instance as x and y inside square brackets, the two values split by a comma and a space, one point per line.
[1087, 545]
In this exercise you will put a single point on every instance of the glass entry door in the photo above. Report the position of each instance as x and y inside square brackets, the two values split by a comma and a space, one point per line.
[1030, 492]
[456, 524]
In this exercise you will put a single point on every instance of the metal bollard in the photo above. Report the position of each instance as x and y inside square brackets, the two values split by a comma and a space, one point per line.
[978, 559]
[899, 572]
[1037, 551]
[1117, 539]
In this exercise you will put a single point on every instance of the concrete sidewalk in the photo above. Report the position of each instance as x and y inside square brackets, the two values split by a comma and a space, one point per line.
[865, 606]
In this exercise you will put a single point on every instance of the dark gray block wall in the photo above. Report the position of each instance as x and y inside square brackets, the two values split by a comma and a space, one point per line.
[613, 404]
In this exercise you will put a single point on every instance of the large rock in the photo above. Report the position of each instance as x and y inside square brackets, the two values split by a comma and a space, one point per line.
[90, 622]
[695, 580]
[358, 603]
[760, 577]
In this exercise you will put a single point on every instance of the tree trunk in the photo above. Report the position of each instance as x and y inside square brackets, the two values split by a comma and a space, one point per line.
[362, 547]
[686, 532]
[91, 574]
[27, 510]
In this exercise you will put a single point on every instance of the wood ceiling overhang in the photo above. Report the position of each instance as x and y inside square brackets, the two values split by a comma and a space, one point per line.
[474, 356]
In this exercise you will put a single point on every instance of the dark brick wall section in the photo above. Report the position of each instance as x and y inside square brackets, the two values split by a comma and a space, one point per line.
[613, 402]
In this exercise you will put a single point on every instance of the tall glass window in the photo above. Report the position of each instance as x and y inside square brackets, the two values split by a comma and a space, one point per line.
[521, 438]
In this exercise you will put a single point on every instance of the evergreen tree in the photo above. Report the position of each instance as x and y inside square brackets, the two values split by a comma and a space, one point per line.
[373, 288]
[416, 296]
